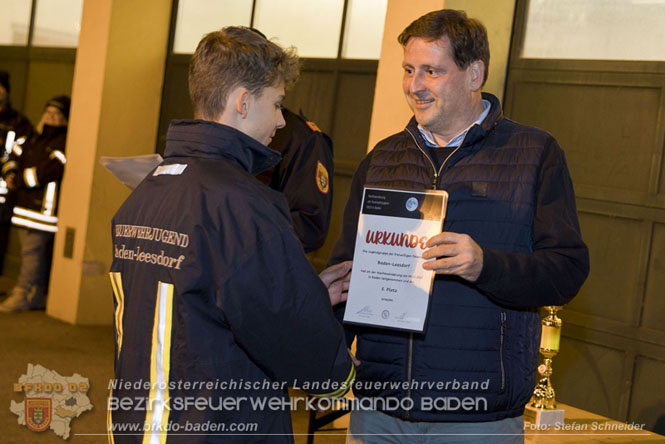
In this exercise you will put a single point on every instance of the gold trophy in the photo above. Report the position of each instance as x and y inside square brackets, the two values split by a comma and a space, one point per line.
[542, 410]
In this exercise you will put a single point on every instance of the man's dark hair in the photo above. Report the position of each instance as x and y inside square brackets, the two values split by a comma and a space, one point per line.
[468, 37]
[236, 56]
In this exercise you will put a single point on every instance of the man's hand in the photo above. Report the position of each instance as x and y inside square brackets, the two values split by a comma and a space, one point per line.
[457, 254]
[337, 279]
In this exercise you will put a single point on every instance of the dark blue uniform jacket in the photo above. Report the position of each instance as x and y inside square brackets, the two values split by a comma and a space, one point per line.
[214, 297]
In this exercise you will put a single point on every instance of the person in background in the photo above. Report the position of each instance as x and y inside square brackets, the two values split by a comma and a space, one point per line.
[34, 172]
[304, 175]
[15, 129]
[510, 243]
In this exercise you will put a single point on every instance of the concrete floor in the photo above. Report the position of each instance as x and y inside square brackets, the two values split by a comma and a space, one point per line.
[34, 338]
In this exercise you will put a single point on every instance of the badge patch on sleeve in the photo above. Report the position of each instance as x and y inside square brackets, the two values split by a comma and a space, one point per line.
[313, 126]
[322, 179]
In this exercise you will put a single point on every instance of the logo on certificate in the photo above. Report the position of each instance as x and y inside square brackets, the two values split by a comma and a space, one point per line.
[385, 314]
[412, 204]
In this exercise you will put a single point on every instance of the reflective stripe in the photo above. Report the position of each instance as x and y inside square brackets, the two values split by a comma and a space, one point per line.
[20, 211]
[30, 177]
[11, 165]
[175, 169]
[59, 155]
[21, 222]
[343, 388]
[3, 199]
[17, 150]
[9, 141]
[116, 283]
[109, 421]
[49, 199]
[160, 362]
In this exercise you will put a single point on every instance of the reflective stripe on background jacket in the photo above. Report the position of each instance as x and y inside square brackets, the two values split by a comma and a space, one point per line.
[38, 165]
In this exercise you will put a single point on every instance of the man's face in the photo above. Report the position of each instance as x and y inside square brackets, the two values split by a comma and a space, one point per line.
[436, 89]
[54, 117]
[4, 97]
[264, 115]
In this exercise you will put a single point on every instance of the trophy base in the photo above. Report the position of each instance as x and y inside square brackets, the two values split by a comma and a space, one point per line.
[543, 417]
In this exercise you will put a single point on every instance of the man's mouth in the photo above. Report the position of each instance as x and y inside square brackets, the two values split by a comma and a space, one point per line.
[422, 101]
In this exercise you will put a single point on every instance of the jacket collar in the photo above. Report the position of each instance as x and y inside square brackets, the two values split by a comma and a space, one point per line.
[476, 132]
[49, 131]
[202, 138]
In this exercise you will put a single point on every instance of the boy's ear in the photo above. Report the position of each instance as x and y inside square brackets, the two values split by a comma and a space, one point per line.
[242, 102]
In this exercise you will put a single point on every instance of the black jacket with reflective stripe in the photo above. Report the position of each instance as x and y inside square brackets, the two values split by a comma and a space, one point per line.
[38, 167]
[246, 306]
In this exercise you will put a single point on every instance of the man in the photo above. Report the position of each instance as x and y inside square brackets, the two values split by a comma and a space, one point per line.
[304, 175]
[217, 309]
[510, 243]
[10, 121]
[33, 174]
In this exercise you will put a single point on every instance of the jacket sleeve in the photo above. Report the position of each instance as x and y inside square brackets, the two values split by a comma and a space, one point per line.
[47, 171]
[305, 177]
[556, 269]
[279, 312]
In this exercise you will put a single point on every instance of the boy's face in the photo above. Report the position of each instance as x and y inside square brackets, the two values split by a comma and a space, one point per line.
[264, 114]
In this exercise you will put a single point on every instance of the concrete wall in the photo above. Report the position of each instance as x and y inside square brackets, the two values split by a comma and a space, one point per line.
[116, 98]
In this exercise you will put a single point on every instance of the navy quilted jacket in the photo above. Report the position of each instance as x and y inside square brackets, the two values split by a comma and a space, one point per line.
[510, 190]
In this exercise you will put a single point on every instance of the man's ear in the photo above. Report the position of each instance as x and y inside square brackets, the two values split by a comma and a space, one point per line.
[242, 102]
[476, 75]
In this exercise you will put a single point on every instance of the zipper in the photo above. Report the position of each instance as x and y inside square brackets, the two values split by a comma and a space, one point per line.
[437, 174]
[503, 332]
[435, 179]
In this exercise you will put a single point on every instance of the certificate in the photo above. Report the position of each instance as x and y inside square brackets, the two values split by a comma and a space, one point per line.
[389, 288]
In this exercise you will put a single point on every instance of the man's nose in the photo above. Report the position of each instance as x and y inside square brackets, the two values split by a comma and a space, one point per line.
[416, 84]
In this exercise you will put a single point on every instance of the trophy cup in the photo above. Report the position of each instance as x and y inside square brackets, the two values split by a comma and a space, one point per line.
[542, 410]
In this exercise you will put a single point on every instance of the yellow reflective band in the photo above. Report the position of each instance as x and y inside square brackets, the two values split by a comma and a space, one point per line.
[344, 388]
[20, 211]
[109, 421]
[2, 199]
[116, 283]
[59, 155]
[160, 363]
[11, 165]
[17, 150]
[49, 199]
[30, 177]
[21, 222]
